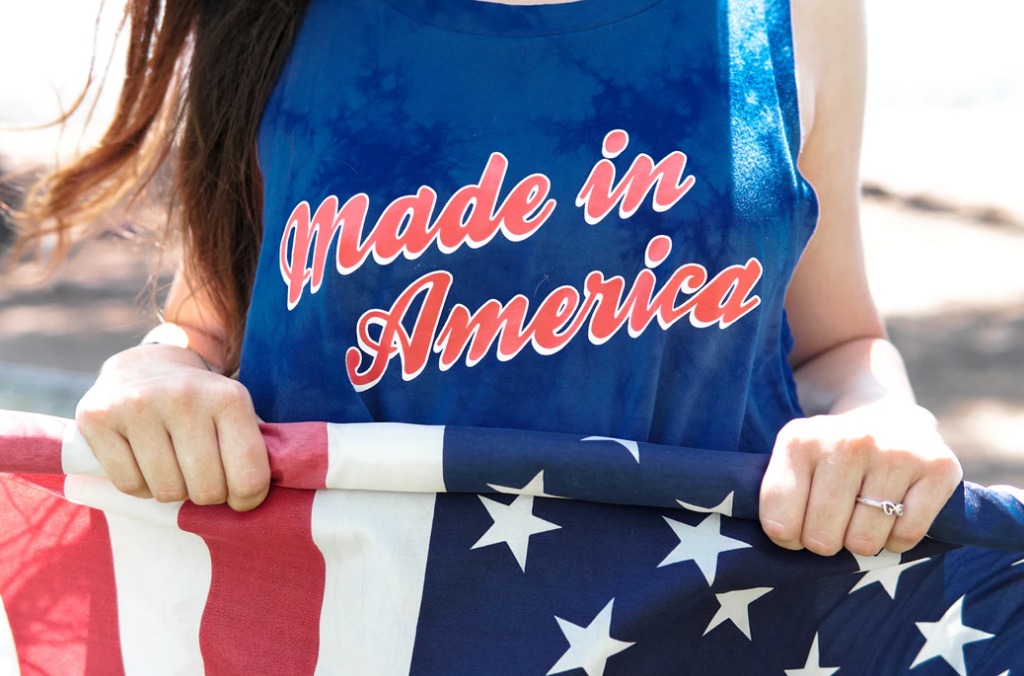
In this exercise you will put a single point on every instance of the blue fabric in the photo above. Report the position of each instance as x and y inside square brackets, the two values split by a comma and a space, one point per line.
[382, 98]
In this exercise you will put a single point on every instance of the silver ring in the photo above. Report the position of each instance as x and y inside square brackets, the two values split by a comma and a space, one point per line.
[886, 506]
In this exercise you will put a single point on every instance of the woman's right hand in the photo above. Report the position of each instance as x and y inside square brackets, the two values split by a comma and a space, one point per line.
[161, 425]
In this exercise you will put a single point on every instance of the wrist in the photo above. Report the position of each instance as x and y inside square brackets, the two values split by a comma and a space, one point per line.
[892, 407]
[172, 335]
[876, 396]
[852, 375]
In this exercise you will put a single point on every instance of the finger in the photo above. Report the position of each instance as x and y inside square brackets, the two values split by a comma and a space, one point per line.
[870, 526]
[115, 456]
[834, 490]
[921, 505]
[244, 457]
[195, 445]
[155, 455]
[784, 492]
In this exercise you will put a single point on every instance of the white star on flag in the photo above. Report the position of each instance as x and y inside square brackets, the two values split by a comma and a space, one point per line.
[813, 666]
[701, 544]
[724, 507]
[534, 488]
[735, 607]
[885, 569]
[514, 525]
[947, 638]
[631, 446]
[590, 646]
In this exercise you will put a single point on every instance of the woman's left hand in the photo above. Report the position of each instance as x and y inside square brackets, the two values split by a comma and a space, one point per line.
[883, 451]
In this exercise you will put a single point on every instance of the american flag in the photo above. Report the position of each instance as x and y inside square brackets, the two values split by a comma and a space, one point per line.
[393, 550]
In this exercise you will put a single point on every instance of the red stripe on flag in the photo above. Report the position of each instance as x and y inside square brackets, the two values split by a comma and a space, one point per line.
[50, 482]
[57, 583]
[31, 443]
[263, 611]
[298, 454]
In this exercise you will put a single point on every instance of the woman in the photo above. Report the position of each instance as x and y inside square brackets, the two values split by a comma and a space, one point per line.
[548, 179]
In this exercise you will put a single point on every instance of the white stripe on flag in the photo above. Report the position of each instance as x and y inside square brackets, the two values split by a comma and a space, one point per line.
[8, 652]
[386, 457]
[162, 575]
[375, 547]
[75, 455]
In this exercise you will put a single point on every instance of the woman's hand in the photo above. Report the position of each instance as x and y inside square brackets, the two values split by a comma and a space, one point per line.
[161, 425]
[885, 451]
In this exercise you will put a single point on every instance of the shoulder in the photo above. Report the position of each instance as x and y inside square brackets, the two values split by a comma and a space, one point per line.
[830, 53]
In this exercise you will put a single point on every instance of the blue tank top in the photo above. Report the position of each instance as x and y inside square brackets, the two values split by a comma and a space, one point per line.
[577, 218]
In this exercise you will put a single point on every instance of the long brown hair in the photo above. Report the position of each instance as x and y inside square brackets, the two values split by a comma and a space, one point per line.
[199, 73]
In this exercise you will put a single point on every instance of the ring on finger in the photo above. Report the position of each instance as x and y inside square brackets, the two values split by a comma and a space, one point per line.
[886, 506]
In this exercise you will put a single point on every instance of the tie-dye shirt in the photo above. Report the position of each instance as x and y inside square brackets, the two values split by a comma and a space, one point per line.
[578, 217]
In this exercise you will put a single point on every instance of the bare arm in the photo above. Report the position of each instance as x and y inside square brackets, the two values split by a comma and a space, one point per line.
[841, 355]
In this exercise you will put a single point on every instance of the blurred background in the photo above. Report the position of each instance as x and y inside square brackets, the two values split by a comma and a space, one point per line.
[943, 214]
